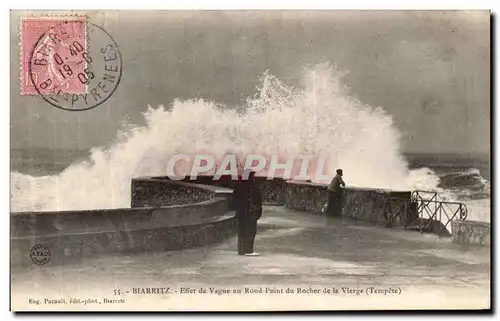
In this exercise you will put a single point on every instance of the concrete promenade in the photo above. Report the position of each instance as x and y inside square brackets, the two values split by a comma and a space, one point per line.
[329, 264]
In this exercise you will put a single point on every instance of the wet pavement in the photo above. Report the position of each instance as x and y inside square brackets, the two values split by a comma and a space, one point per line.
[307, 262]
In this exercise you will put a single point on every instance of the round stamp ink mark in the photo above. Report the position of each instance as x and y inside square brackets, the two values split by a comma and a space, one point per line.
[75, 66]
[40, 254]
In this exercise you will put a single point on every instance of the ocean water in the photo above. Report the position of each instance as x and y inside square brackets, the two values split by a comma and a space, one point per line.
[318, 117]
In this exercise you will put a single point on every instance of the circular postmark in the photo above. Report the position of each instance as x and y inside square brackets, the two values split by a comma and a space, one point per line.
[40, 254]
[76, 65]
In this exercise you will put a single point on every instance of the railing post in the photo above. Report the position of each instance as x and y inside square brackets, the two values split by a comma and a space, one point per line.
[406, 213]
[436, 208]
[440, 214]
[421, 221]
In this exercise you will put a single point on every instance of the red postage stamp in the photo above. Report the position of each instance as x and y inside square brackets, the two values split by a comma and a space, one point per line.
[48, 53]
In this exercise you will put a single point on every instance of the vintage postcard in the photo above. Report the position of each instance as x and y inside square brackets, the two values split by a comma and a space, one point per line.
[285, 160]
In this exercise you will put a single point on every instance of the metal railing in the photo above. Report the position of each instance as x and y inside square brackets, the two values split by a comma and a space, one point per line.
[427, 207]
[431, 208]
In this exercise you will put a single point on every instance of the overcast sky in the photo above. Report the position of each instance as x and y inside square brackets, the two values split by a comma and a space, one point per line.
[430, 70]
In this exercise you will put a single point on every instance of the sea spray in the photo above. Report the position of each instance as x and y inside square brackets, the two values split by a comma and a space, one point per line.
[319, 117]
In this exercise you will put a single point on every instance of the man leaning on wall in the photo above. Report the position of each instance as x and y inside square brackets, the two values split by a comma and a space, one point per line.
[335, 195]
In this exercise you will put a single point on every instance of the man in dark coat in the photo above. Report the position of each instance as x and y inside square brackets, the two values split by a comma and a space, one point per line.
[248, 201]
[334, 205]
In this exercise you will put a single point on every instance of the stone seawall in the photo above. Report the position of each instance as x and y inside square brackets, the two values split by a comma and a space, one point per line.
[168, 214]
[471, 232]
[273, 191]
[372, 205]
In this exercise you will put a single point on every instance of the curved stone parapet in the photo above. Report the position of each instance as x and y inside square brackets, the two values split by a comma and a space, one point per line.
[175, 215]
[471, 232]
[161, 191]
[70, 246]
[35, 224]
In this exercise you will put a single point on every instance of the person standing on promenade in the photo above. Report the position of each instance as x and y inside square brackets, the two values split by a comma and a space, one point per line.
[248, 201]
[334, 203]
